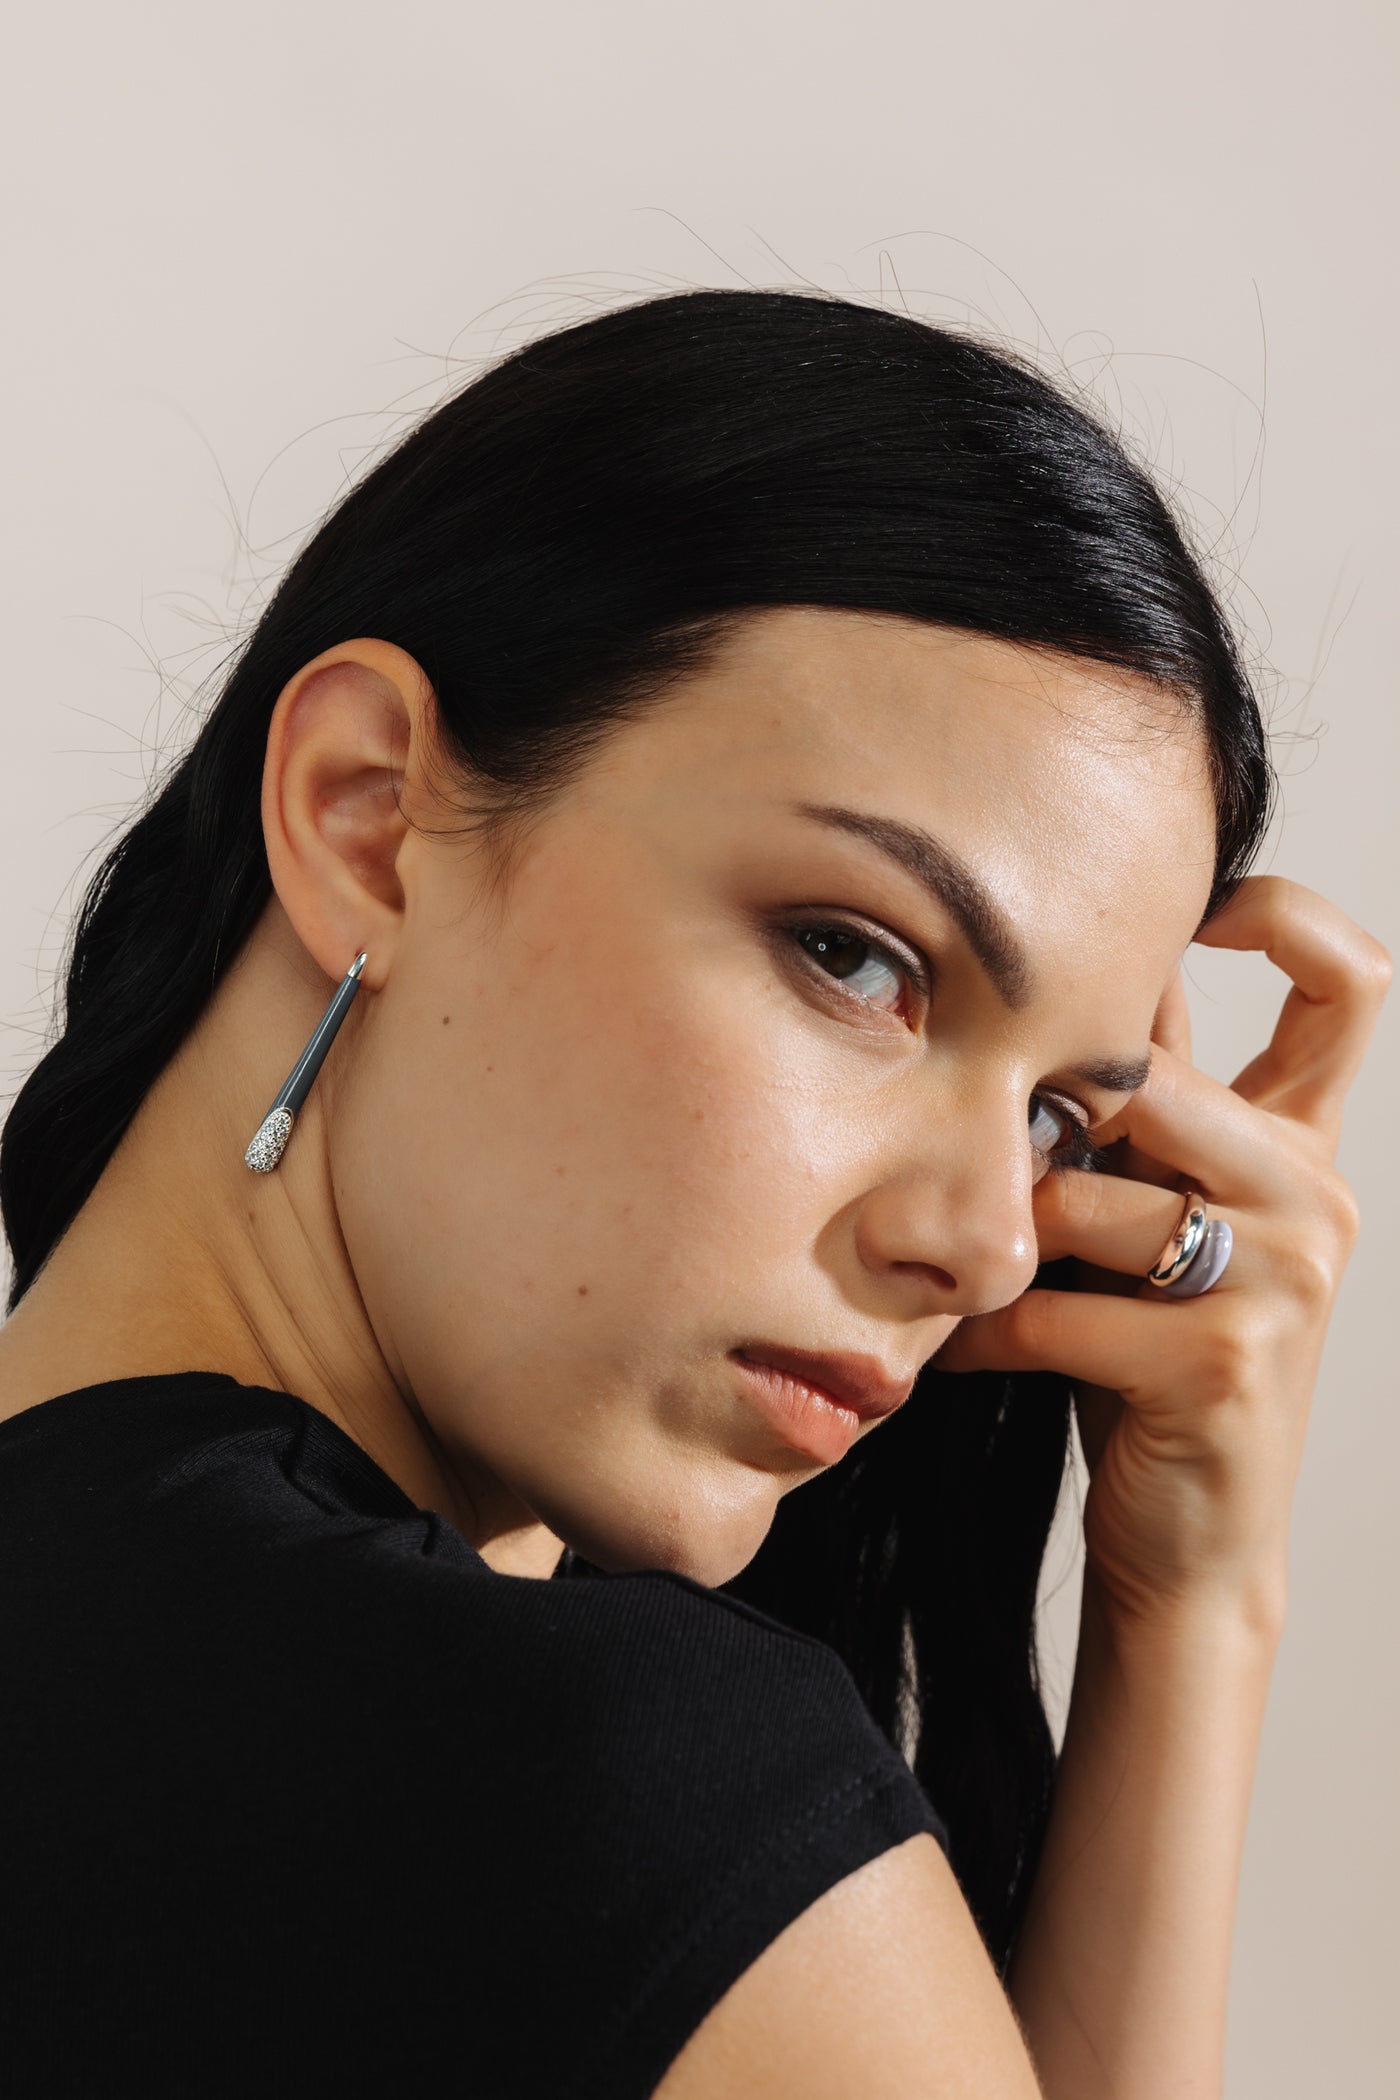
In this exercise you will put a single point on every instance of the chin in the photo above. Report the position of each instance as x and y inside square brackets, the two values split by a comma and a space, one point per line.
[707, 1541]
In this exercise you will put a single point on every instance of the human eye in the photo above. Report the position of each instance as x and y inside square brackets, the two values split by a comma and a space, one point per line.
[873, 973]
[1067, 1144]
[848, 958]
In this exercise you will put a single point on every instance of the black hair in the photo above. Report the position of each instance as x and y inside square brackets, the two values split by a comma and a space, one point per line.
[555, 544]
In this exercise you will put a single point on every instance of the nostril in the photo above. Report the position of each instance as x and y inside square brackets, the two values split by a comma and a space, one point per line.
[944, 1278]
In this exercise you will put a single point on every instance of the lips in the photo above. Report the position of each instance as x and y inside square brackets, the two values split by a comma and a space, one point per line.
[858, 1382]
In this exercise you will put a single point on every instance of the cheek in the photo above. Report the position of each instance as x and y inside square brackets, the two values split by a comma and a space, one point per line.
[664, 1116]
[591, 1144]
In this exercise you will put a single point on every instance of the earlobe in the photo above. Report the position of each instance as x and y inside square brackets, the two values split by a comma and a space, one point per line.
[339, 779]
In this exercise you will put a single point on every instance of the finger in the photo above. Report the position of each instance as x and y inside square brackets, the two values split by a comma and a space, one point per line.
[1114, 1224]
[1340, 976]
[1206, 1132]
[1171, 1028]
[1107, 1341]
[1171, 1025]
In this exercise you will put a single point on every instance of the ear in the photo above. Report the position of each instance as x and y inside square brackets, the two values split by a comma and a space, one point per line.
[343, 769]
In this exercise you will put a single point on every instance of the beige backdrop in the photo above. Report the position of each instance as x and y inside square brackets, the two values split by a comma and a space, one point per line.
[242, 244]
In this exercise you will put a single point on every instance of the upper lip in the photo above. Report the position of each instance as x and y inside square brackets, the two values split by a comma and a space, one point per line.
[858, 1382]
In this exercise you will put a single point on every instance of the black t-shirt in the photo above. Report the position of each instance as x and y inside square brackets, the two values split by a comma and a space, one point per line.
[299, 1796]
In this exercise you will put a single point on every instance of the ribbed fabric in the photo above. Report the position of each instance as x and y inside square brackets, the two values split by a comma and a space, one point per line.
[298, 1796]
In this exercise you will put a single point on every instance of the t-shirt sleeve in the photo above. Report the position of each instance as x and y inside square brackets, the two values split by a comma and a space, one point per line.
[727, 1772]
[373, 1819]
[298, 1797]
[578, 1811]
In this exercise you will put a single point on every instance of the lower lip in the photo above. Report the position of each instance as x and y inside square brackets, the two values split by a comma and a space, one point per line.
[803, 1415]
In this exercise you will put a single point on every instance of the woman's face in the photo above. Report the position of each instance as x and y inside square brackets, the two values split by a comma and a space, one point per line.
[686, 1091]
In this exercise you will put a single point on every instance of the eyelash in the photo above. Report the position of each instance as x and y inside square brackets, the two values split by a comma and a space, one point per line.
[1082, 1153]
[1079, 1153]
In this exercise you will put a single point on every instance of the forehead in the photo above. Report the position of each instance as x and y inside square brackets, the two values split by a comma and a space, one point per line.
[1080, 794]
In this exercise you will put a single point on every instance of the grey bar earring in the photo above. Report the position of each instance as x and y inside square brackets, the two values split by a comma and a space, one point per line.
[275, 1128]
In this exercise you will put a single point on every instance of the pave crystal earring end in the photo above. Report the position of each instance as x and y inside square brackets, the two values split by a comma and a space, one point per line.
[270, 1140]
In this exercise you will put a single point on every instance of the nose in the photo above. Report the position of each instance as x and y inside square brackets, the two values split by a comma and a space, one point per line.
[955, 1223]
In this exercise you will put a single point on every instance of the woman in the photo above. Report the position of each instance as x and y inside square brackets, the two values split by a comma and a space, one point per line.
[751, 766]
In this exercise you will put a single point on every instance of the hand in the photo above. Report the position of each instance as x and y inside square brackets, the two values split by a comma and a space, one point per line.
[1192, 1411]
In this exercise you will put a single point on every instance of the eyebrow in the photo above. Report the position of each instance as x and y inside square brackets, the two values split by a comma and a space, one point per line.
[1116, 1075]
[986, 928]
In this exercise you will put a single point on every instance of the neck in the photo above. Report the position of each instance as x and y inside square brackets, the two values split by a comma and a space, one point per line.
[183, 1259]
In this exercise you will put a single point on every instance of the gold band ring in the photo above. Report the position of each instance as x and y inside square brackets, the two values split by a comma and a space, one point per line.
[1181, 1249]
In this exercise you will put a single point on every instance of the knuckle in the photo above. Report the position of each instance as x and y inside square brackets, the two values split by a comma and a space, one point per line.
[1070, 1206]
[1331, 1206]
[1096, 1198]
[1308, 1272]
[1227, 1352]
[1037, 1321]
[1340, 1210]
[1278, 889]
[1375, 965]
[1286, 898]
[1308, 1255]
[1055, 1198]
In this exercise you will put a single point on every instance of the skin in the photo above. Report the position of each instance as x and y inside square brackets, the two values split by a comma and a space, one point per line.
[570, 1150]
[583, 1135]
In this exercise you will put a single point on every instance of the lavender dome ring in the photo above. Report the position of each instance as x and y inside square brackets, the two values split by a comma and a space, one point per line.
[1208, 1265]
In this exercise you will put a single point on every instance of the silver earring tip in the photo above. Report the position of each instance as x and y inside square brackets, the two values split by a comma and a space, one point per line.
[271, 1141]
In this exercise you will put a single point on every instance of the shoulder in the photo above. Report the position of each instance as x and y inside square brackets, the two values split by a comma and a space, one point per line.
[711, 1775]
[658, 1681]
[674, 1721]
[885, 1968]
[672, 1693]
[651, 1781]
[630, 1785]
[371, 1761]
